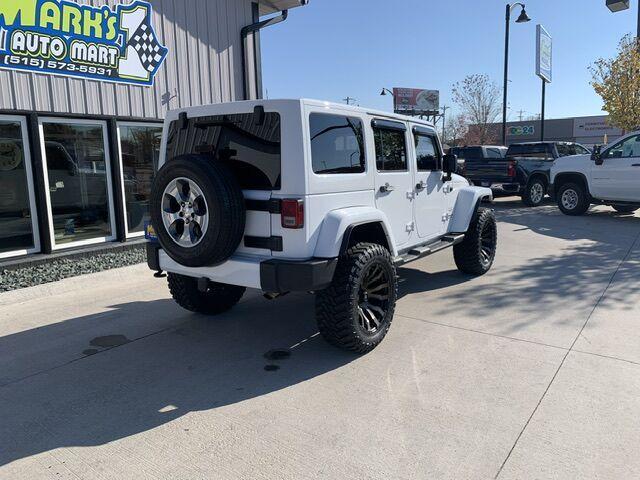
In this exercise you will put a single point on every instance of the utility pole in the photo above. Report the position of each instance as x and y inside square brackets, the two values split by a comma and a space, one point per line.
[521, 114]
[349, 100]
[444, 122]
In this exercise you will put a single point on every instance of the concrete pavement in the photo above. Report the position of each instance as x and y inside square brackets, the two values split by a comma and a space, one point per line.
[532, 371]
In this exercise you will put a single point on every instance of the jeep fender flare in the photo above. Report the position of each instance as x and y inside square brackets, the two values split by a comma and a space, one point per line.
[337, 227]
[466, 206]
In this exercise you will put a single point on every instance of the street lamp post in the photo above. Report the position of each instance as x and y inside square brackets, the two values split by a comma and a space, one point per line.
[619, 5]
[384, 94]
[523, 18]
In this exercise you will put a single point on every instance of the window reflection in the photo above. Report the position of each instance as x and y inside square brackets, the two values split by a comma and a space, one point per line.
[78, 189]
[140, 147]
[16, 230]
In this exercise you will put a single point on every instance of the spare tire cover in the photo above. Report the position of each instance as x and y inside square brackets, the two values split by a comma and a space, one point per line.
[197, 210]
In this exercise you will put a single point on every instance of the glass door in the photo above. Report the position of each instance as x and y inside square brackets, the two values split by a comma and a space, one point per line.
[78, 181]
[18, 216]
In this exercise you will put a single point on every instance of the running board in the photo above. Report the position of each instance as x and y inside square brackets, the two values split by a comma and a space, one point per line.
[429, 248]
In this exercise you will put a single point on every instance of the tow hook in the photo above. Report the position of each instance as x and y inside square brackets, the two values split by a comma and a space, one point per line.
[159, 274]
[274, 295]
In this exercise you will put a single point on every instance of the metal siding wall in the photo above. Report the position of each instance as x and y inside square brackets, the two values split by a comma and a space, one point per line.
[203, 66]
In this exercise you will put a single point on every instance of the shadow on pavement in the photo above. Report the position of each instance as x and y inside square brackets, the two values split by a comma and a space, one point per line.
[198, 364]
[573, 278]
[603, 224]
[413, 280]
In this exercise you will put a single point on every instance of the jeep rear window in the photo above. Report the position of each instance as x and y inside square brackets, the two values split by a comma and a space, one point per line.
[337, 144]
[249, 144]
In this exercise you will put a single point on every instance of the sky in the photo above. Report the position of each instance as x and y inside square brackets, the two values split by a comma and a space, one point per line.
[331, 49]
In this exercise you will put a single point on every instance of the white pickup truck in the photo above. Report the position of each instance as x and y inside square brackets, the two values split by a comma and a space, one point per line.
[610, 176]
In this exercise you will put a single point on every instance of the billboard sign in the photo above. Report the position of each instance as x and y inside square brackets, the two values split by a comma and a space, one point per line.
[59, 37]
[544, 51]
[414, 100]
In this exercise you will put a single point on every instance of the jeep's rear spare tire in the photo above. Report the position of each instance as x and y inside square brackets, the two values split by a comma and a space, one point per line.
[197, 210]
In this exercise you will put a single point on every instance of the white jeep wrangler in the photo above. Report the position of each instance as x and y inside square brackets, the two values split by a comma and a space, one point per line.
[303, 195]
[609, 177]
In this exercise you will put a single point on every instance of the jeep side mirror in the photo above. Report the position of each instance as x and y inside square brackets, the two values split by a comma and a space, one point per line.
[596, 156]
[450, 163]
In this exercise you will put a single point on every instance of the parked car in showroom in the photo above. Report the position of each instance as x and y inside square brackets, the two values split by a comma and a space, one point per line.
[609, 176]
[304, 195]
[524, 170]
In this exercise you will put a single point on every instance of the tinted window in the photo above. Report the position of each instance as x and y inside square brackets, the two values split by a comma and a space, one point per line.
[468, 153]
[565, 150]
[427, 153]
[16, 232]
[77, 173]
[337, 144]
[495, 152]
[580, 150]
[140, 147]
[528, 151]
[248, 144]
[625, 149]
[391, 149]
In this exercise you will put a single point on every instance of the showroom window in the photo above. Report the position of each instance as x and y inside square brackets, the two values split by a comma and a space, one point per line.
[139, 153]
[78, 181]
[18, 217]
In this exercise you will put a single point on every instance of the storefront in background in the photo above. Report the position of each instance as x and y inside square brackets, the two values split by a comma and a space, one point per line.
[588, 131]
[83, 90]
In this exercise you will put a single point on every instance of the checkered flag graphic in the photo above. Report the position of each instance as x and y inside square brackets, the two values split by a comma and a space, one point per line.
[147, 46]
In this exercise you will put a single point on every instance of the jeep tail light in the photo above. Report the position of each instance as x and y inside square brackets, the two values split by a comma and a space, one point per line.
[511, 169]
[292, 213]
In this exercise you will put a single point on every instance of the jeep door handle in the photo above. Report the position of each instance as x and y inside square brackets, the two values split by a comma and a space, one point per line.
[421, 185]
[386, 188]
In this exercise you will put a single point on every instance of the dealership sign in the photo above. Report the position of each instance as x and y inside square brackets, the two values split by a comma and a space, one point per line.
[544, 52]
[416, 101]
[64, 38]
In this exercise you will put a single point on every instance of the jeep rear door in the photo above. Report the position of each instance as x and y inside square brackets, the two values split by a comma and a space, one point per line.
[394, 178]
[249, 145]
[430, 203]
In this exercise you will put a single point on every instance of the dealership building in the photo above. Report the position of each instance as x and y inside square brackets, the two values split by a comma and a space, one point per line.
[83, 91]
[588, 131]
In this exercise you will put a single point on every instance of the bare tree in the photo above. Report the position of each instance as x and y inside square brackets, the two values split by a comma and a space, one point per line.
[479, 100]
[456, 130]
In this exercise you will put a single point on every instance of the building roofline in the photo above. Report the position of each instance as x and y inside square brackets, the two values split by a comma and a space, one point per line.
[272, 6]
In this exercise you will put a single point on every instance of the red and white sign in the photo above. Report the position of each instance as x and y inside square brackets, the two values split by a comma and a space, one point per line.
[416, 100]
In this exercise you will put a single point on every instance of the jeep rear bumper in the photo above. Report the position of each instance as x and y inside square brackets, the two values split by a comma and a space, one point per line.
[270, 275]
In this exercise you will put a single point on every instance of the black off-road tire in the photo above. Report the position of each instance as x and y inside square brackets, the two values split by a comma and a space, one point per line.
[476, 253]
[225, 206]
[531, 197]
[583, 200]
[624, 208]
[218, 298]
[337, 307]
